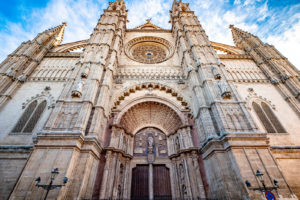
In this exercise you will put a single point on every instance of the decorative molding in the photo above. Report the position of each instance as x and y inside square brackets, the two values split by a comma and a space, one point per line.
[253, 96]
[63, 55]
[133, 89]
[234, 56]
[150, 73]
[44, 95]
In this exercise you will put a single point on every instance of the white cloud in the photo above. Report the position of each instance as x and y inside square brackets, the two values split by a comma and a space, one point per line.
[288, 43]
[157, 10]
[81, 15]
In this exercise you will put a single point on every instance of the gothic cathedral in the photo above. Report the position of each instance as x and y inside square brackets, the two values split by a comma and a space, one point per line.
[148, 113]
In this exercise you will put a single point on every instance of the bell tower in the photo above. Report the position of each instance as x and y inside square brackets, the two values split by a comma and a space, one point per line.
[223, 123]
[72, 138]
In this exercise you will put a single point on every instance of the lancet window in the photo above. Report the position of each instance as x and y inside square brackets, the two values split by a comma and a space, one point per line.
[30, 117]
[268, 118]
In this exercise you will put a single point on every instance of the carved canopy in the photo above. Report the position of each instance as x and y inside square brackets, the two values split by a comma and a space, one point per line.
[150, 114]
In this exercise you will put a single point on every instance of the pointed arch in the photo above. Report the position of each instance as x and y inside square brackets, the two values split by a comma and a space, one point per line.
[35, 117]
[268, 118]
[30, 117]
[25, 117]
[273, 119]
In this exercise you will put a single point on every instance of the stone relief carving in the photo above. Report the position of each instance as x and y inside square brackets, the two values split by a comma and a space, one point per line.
[150, 141]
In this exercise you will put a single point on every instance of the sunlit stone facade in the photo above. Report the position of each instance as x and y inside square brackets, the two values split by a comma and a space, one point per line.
[148, 113]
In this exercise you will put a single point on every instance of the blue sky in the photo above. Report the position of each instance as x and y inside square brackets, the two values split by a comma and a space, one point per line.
[275, 21]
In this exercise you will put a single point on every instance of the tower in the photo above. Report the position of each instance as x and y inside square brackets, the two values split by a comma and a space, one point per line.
[148, 113]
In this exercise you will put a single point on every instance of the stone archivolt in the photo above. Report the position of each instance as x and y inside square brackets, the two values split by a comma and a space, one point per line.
[150, 114]
[151, 86]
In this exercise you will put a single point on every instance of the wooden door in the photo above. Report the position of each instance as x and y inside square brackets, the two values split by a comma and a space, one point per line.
[140, 183]
[161, 183]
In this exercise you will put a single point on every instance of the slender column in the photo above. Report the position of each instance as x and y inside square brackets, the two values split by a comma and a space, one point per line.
[151, 193]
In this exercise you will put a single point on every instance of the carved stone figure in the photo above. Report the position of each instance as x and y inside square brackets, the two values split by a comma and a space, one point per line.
[77, 90]
[215, 72]
[275, 81]
[22, 78]
[225, 92]
[150, 144]
[177, 145]
[284, 77]
[86, 71]
[181, 172]
[11, 73]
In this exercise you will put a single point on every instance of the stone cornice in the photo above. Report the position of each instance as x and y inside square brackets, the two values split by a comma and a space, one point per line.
[230, 141]
[234, 56]
[65, 55]
[149, 30]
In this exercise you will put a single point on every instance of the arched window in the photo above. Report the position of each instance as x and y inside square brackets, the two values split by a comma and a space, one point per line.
[30, 117]
[279, 128]
[268, 118]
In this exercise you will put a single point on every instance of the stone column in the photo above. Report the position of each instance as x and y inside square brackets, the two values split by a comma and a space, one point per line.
[151, 192]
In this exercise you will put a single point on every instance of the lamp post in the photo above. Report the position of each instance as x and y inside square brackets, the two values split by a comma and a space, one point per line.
[260, 177]
[50, 186]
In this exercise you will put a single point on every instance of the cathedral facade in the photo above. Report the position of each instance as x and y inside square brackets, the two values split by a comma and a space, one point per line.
[149, 113]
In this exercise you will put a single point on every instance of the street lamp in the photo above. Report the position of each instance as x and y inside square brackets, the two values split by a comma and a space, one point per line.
[260, 177]
[49, 187]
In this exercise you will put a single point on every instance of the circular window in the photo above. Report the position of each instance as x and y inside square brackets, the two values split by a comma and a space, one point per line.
[149, 50]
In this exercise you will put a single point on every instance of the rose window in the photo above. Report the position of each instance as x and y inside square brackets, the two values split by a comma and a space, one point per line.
[149, 50]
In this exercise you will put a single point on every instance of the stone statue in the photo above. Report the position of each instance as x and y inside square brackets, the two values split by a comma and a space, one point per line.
[225, 92]
[85, 72]
[150, 142]
[11, 73]
[215, 72]
[77, 90]
[284, 77]
[22, 78]
[177, 144]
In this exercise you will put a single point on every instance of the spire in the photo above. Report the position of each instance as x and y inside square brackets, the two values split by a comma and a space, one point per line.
[60, 35]
[238, 34]
[58, 31]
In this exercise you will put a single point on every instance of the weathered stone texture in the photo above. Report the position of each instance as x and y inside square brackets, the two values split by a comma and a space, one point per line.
[216, 113]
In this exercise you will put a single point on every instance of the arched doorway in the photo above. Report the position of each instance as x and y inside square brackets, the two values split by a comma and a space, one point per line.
[151, 154]
[151, 180]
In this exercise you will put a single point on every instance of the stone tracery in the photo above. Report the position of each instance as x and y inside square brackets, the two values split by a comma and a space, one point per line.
[149, 49]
